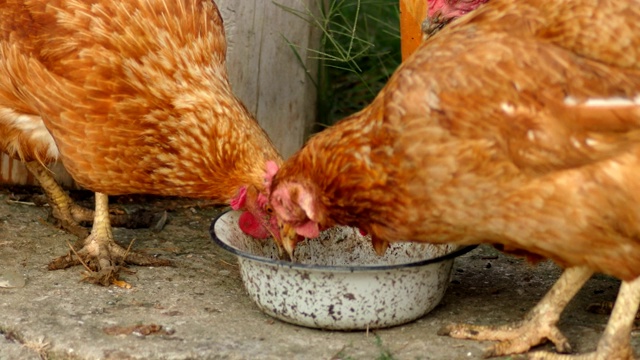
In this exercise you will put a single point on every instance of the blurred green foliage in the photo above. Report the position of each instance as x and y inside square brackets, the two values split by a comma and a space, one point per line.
[359, 50]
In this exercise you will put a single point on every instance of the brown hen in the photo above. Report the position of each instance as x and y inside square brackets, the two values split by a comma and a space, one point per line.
[518, 125]
[133, 97]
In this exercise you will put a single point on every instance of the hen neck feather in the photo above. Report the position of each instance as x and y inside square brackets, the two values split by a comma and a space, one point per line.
[217, 146]
[353, 170]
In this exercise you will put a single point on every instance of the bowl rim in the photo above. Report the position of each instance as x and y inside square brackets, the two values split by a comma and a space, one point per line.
[360, 268]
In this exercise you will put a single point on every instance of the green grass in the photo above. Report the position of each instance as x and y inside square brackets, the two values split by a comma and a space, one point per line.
[359, 50]
[385, 354]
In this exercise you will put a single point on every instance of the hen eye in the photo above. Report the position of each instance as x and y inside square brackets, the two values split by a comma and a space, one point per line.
[269, 209]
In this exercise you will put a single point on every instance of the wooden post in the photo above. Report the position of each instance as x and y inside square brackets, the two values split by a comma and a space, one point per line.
[265, 72]
[412, 13]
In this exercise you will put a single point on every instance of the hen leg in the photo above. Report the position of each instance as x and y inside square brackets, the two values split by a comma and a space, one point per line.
[615, 342]
[62, 207]
[100, 251]
[69, 214]
[538, 325]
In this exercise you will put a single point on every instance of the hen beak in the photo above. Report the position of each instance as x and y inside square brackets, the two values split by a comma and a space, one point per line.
[379, 245]
[288, 240]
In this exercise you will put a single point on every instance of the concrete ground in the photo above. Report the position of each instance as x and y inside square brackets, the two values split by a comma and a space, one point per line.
[205, 313]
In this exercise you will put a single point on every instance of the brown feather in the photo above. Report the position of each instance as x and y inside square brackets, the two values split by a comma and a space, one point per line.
[135, 94]
[485, 135]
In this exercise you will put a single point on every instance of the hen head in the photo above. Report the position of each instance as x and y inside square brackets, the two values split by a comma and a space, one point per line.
[441, 12]
[297, 212]
[257, 220]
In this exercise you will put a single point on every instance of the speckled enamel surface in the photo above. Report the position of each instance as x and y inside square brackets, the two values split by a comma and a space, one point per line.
[334, 284]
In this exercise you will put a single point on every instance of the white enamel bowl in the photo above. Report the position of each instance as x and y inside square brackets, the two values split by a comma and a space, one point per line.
[337, 281]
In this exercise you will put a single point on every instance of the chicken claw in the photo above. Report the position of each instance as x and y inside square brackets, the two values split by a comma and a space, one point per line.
[63, 208]
[100, 251]
[615, 341]
[70, 215]
[538, 325]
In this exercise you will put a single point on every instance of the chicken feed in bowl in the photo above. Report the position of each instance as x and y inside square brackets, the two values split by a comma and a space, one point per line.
[337, 281]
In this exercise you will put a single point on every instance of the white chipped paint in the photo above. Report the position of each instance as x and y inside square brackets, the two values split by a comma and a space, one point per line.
[33, 127]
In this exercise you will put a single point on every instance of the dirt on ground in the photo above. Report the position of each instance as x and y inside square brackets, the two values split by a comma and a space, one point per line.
[199, 309]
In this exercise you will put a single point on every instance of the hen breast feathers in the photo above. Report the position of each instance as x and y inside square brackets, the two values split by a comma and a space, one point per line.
[134, 93]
